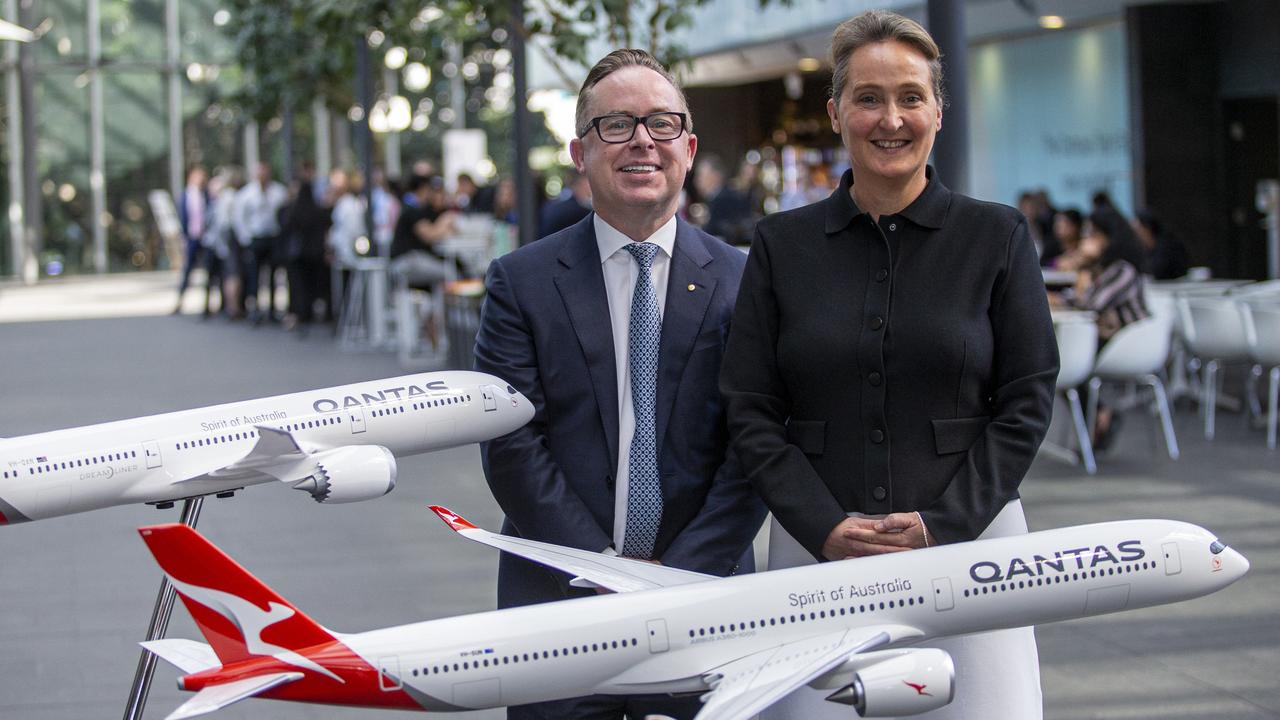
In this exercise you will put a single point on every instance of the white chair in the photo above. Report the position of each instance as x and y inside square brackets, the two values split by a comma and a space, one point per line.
[1136, 354]
[1214, 333]
[1077, 336]
[1267, 290]
[1262, 326]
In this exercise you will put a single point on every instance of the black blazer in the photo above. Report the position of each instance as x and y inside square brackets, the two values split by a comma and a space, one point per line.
[902, 366]
[545, 329]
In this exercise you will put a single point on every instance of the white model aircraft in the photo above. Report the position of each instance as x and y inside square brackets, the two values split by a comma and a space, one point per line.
[854, 627]
[338, 444]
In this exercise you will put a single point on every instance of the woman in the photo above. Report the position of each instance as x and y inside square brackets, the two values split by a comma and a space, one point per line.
[306, 224]
[890, 369]
[1110, 285]
[1068, 227]
[1110, 281]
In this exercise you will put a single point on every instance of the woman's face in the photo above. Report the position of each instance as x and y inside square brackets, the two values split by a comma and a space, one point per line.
[1065, 228]
[1094, 242]
[887, 114]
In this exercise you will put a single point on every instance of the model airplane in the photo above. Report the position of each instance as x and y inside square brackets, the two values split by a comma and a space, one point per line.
[854, 627]
[338, 444]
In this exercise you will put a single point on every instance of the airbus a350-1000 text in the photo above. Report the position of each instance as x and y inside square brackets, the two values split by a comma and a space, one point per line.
[339, 444]
[859, 628]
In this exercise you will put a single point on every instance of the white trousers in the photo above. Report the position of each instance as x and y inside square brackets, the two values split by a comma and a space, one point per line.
[997, 673]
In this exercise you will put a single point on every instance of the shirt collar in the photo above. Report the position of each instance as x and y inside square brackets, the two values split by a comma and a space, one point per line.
[610, 240]
[928, 210]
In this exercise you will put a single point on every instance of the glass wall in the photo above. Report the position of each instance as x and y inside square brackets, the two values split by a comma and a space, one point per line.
[135, 79]
[1051, 111]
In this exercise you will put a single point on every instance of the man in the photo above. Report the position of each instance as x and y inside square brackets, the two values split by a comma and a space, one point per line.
[193, 206]
[728, 211]
[573, 204]
[615, 329]
[257, 227]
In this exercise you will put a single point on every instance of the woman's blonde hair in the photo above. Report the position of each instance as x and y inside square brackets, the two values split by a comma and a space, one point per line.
[876, 26]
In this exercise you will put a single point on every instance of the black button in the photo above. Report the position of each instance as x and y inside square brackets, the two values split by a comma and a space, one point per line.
[893, 226]
[877, 436]
[882, 275]
[877, 322]
[874, 378]
[879, 493]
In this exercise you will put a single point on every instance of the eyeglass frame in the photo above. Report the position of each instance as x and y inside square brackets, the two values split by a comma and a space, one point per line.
[639, 120]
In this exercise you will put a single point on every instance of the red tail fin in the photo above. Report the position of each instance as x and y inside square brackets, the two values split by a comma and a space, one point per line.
[239, 615]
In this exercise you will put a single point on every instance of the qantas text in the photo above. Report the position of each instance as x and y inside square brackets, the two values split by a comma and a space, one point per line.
[396, 393]
[1062, 561]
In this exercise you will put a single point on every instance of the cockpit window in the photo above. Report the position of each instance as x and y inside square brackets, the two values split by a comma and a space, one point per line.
[511, 390]
[1216, 547]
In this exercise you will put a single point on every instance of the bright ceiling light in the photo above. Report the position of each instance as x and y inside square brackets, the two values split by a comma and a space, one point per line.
[1052, 22]
[809, 64]
[395, 57]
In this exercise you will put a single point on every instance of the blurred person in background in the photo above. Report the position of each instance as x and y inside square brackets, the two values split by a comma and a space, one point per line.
[258, 230]
[415, 261]
[306, 226]
[1034, 206]
[222, 251]
[573, 204]
[1109, 284]
[348, 222]
[728, 210]
[193, 215]
[386, 210]
[504, 202]
[1166, 256]
[891, 362]
[471, 197]
[1068, 228]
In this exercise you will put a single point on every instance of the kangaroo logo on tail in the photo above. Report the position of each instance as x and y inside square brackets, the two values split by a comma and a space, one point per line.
[251, 620]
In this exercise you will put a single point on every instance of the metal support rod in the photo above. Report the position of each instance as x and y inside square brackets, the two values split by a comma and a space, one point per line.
[457, 86]
[391, 140]
[324, 150]
[159, 624]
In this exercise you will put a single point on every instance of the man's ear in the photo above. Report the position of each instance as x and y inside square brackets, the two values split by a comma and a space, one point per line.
[575, 153]
[693, 150]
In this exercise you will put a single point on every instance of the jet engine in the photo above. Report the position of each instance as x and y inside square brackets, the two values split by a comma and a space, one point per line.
[904, 682]
[350, 474]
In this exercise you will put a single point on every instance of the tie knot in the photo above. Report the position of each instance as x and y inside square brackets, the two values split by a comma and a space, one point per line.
[643, 252]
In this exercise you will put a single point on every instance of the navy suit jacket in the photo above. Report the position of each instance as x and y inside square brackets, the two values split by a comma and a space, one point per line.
[545, 328]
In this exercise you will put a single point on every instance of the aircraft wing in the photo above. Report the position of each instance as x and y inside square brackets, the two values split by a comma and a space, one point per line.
[742, 688]
[274, 447]
[589, 569]
[216, 697]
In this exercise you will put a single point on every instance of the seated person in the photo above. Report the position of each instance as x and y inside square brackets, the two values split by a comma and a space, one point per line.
[414, 259]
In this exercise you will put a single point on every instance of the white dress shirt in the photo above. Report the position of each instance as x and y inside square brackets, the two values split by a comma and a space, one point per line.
[620, 270]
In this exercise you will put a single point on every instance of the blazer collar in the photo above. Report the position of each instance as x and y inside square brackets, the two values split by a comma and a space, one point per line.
[929, 210]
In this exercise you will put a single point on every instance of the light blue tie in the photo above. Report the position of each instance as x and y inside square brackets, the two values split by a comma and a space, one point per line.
[644, 490]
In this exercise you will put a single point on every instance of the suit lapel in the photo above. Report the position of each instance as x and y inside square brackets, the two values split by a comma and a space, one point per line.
[581, 287]
[690, 286]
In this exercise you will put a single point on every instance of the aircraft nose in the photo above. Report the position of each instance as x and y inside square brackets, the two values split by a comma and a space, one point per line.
[1234, 565]
[520, 405]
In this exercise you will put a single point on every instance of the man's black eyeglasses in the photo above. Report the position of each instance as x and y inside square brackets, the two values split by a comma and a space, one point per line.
[621, 127]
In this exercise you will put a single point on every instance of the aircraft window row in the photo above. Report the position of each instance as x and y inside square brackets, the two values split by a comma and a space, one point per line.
[79, 462]
[215, 440]
[517, 658]
[451, 400]
[309, 424]
[383, 412]
[1058, 579]
[802, 617]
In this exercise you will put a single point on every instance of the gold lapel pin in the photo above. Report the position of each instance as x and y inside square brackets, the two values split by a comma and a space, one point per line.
[692, 287]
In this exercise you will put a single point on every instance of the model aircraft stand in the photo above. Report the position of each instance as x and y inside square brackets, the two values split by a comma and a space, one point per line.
[159, 624]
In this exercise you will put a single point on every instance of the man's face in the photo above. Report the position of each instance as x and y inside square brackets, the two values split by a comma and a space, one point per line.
[263, 173]
[643, 173]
